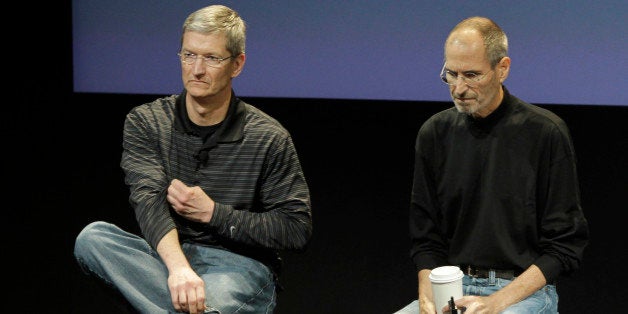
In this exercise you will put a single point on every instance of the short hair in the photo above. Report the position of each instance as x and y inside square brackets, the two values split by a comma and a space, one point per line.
[495, 39]
[218, 19]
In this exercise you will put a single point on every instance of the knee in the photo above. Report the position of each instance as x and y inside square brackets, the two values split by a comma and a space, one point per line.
[89, 238]
[238, 296]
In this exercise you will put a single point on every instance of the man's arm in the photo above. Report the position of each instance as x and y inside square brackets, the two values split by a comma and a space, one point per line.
[520, 288]
[426, 298]
[187, 289]
[145, 175]
[281, 218]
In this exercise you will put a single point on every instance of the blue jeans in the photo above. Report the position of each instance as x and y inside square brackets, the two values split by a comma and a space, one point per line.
[545, 300]
[233, 283]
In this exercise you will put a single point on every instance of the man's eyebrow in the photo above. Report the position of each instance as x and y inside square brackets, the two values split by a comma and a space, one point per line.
[463, 72]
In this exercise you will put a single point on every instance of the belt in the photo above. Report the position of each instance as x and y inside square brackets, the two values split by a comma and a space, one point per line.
[479, 272]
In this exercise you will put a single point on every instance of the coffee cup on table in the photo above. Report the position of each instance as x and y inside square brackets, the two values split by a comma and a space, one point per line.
[446, 284]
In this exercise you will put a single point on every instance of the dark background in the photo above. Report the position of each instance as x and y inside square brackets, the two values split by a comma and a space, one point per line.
[357, 157]
[61, 156]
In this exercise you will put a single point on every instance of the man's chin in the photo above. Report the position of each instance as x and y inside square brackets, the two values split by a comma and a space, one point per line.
[196, 90]
[462, 107]
[199, 85]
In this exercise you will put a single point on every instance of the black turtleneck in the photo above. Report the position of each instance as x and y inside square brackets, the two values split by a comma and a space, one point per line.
[499, 192]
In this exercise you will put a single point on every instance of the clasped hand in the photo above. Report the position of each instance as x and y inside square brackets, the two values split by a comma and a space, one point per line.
[190, 202]
[187, 291]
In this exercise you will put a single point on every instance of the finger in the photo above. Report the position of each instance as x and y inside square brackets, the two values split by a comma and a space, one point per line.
[176, 205]
[192, 304]
[171, 200]
[171, 197]
[173, 191]
[183, 211]
[174, 298]
[177, 185]
[192, 307]
[200, 298]
[173, 186]
[183, 300]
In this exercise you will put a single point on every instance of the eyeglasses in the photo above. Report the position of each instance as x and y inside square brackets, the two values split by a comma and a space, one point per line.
[470, 78]
[210, 61]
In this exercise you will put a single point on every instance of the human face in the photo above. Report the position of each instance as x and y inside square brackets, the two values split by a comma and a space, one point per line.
[200, 80]
[464, 56]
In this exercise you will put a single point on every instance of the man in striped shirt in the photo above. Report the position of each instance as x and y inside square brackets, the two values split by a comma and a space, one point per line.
[216, 185]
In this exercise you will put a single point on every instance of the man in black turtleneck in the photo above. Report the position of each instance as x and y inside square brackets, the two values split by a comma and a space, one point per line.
[495, 186]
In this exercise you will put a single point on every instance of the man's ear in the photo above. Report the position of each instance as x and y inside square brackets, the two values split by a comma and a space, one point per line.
[503, 68]
[239, 65]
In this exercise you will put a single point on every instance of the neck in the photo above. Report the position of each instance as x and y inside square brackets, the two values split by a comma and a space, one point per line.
[205, 113]
[486, 111]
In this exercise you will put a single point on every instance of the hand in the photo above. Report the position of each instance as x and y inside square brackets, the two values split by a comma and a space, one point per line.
[187, 290]
[475, 305]
[190, 202]
[459, 309]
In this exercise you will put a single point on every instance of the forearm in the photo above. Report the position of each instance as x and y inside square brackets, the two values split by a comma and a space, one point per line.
[426, 298]
[169, 250]
[520, 288]
[281, 229]
[425, 286]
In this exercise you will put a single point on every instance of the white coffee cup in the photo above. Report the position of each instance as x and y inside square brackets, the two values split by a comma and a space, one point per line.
[446, 283]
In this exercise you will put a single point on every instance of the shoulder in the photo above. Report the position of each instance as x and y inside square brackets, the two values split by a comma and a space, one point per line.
[537, 116]
[260, 122]
[441, 120]
[160, 108]
[541, 125]
[155, 117]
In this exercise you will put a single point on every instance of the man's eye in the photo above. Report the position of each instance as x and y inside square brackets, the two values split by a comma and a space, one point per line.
[188, 55]
[471, 75]
[212, 58]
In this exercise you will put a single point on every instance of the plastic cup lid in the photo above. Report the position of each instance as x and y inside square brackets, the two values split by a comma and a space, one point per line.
[445, 274]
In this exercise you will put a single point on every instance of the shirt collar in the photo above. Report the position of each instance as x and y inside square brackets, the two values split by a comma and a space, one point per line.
[231, 129]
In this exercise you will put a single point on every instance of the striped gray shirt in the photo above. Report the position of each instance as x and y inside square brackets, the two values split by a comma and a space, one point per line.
[251, 170]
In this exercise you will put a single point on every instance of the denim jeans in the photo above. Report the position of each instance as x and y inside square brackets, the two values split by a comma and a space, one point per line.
[543, 301]
[233, 283]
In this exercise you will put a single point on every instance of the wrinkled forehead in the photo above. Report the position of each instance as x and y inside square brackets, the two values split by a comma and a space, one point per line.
[216, 41]
[464, 51]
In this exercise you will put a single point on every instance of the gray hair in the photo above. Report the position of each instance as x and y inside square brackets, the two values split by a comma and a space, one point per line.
[219, 19]
[495, 39]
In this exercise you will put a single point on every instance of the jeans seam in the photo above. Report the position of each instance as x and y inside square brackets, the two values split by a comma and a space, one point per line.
[259, 293]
